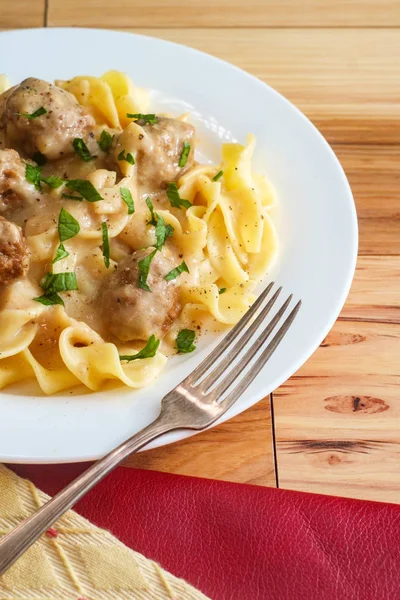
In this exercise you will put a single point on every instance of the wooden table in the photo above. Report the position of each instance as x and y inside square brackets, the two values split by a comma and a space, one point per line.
[335, 426]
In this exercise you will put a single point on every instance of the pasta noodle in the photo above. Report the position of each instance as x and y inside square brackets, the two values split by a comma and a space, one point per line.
[210, 222]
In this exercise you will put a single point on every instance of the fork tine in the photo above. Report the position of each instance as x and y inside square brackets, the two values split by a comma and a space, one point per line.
[258, 365]
[237, 347]
[250, 354]
[228, 339]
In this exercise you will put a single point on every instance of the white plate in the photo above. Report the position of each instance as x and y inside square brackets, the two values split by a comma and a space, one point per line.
[316, 221]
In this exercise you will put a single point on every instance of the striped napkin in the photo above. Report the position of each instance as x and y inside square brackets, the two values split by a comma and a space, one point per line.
[75, 560]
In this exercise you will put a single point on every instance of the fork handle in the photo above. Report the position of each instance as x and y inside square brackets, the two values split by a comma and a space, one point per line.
[22, 537]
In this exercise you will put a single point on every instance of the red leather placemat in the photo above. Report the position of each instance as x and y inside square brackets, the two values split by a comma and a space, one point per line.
[241, 542]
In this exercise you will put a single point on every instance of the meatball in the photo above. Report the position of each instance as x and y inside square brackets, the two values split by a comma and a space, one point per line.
[51, 133]
[15, 190]
[158, 149]
[131, 313]
[14, 254]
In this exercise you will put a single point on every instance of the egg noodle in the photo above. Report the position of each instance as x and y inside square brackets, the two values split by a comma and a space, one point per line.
[223, 234]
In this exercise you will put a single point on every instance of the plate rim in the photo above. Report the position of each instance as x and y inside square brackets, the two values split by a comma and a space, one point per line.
[179, 435]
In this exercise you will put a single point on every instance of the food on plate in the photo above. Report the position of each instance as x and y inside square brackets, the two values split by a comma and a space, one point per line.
[14, 254]
[116, 245]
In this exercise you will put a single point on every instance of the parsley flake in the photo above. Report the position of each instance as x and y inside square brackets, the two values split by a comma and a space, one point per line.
[33, 175]
[50, 299]
[127, 198]
[127, 157]
[60, 254]
[144, 268]
[163, 232]
[174, 197]
[185, 154]
[53, 181]
[184, 341]
[72, 197]
[85, 188]
[68, 226]
[221, 291]
[82, 150]
[38, 113]
[106, 140]
[153, 220]
[58, 282]
[144, 119]
[106, 244]
[218, 176]
[177, 271]
[148, 351]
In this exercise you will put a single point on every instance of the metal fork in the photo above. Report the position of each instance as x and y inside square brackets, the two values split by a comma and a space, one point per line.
[199, 400]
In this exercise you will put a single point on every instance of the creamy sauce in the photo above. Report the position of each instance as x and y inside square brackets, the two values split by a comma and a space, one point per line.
[132, 295]
[157, 153]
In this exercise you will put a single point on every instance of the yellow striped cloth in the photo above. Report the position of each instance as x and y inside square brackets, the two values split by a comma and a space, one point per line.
[76, 560]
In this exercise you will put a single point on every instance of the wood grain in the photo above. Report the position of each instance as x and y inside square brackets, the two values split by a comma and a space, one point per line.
[225, 13]
[343, 79]
[337, 421]
[374, 177]
[22, 13]
[339, 354]
[239, 450]
[338, 433]
[375, 293]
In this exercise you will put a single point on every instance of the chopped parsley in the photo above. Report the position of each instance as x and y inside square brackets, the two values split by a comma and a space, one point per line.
[60, 254]
[127, 198]
[106, 244]
[68, 226]
[82, 150]
[185, 154]
[174, 197]
[72, 197]
[163, 232]
[221, 291]
[153, 220]
[184, 341]
[39, 158]
[58, 282]
[146, 119]
[53, 181]
[177, 271]
[127, 157]
[85, 188]
[106, 140]
[38, 113]
[144, 268]
[50, 299]
[33, 174]
[148, 351]
[218, 176]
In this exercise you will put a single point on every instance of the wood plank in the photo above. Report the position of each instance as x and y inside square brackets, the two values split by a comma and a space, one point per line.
[354, 452]
[375, 293]
[355, 348]
[343, 79]
[240, 450]
[374, 177]
[372, 123]
[225, 13]
[23, 13]
[337, 421]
